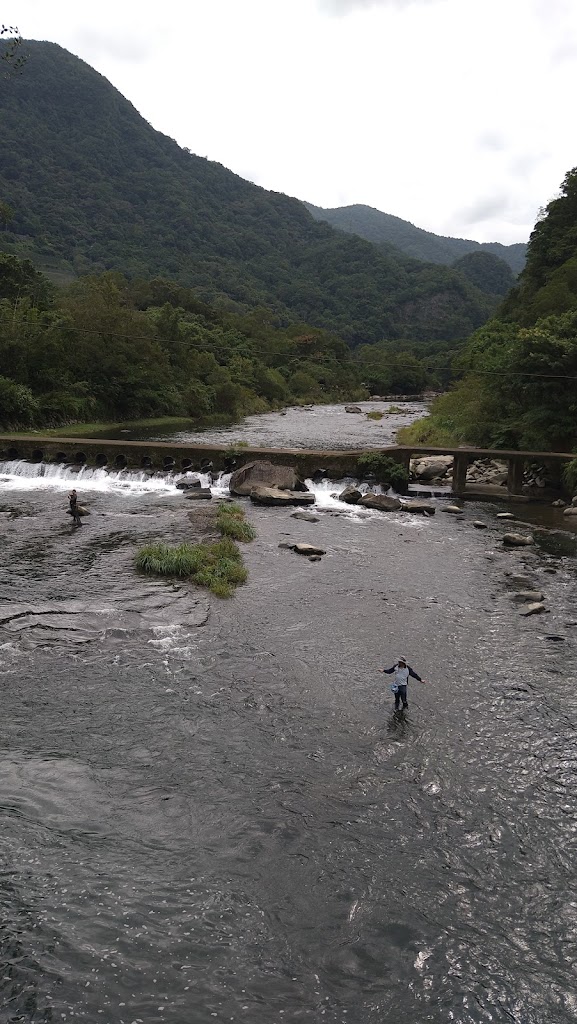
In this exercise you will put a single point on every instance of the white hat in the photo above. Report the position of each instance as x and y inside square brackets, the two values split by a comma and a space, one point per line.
[402, 658]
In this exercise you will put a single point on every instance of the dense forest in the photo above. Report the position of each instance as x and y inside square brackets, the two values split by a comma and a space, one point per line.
[383, 228]
[88, 186]
[520, 384]
[110, 348]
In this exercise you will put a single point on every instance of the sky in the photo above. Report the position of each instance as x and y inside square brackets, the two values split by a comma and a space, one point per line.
[457, 115]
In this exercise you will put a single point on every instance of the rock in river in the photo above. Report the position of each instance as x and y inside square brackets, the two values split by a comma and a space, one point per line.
[306, 516]
[533, 609]
[423, 508]
[517, 540]
[527, 596]
[479, 525]
[276, 496]
[455, 510]
[308, 549]
[351, 495]
[382, 502]
[352, 408]
[198, 493]
[265, 474]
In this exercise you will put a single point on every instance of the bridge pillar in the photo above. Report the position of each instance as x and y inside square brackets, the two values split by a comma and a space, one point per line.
[515, 469]
[460, 466]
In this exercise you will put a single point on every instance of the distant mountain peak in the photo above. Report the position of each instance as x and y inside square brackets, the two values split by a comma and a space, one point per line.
[384, 228]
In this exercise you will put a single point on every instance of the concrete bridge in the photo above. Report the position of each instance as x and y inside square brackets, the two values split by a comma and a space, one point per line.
[180, 457]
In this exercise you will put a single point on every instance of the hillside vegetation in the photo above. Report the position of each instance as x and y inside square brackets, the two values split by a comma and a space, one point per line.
[88, 186]
[384, 229]
[520, 383]
[107, 348]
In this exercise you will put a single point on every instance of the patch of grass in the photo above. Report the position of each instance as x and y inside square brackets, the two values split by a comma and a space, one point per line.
[231, 522]
[374, 414]
[395, 409]
[218, 567]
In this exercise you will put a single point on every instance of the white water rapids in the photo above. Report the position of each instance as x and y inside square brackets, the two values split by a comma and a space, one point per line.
[29, 476]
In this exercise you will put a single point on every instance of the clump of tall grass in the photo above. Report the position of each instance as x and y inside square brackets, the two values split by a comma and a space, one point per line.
[230, 522]
[374, 414]
[218, 567]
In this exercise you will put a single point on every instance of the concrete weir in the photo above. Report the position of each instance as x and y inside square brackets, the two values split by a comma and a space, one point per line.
[180, 457]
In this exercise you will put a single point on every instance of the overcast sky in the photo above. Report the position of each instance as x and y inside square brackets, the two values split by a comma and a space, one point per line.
[458, 115]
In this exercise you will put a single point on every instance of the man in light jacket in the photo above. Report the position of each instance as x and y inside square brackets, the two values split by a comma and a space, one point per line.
[402, 672]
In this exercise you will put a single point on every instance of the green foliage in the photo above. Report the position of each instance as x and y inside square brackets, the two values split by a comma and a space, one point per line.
[388, 472]
[218, 567]
[570, 476]
[521, 367]
[384, 229]
[487, 272]
[374, 414]
[230, 522]
[103, 349]
[110, 192]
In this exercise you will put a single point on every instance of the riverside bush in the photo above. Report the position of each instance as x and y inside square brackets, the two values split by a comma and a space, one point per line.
[374, 414]
[388, 472]
[218, 567]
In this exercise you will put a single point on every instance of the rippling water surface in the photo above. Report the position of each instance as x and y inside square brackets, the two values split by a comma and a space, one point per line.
[209, 811]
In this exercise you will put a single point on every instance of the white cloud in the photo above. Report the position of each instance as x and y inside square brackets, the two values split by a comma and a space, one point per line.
[428, 109]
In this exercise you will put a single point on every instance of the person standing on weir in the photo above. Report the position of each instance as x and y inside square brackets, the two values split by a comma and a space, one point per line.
[73, 502]
[402, 672]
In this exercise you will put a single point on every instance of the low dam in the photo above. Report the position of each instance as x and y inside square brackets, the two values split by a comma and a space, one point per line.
[181, 457]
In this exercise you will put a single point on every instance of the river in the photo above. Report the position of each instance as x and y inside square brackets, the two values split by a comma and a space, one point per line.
[209, 811]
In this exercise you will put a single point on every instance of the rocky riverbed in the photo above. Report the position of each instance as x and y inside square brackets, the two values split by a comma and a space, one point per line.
[209, 809]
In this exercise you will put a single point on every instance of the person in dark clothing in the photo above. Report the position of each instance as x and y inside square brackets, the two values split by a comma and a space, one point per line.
[73, 502]
[402, 671]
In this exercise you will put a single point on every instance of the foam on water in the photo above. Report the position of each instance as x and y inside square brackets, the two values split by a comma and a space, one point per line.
[21, 475]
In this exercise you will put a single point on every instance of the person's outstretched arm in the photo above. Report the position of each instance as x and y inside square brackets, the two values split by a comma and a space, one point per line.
[388, 670]
[414, 675]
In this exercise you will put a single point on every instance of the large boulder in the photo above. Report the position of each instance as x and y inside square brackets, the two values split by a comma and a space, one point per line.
[352, 408]
[265, 474]
[276, 496]
[350, 495]
[527, 596]
[432, 467]
[571, 510]
[421, 508]
[382, 502]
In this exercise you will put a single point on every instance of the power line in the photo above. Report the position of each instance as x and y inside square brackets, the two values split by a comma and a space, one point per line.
[424, 365]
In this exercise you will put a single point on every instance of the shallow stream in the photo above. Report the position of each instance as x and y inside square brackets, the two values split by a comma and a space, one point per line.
[210, 812]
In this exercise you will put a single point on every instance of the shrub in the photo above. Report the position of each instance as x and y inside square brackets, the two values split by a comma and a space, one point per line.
[374, 414]
[570, 476]
[218, 567]
[388, 472]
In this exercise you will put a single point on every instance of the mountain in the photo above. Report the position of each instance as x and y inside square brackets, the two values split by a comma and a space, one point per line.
[486, 272]
[384, 229]
[87, 185]
[520, 390]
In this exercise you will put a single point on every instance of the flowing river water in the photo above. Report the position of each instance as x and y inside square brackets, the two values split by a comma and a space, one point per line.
[210, 812]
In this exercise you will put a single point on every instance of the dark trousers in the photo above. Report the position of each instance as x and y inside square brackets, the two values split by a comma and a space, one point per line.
[401, 695]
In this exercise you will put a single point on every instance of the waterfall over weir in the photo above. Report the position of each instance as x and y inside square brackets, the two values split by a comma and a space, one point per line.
[37, 476]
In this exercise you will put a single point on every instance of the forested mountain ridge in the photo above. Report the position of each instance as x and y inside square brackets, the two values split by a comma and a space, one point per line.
[93, 187]
[383, 228]
[520, 384]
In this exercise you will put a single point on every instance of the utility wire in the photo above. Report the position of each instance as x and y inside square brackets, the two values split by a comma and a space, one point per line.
[424, 365]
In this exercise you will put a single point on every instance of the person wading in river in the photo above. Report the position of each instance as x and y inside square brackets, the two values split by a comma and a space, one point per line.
[402, 672]
[73, 502]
